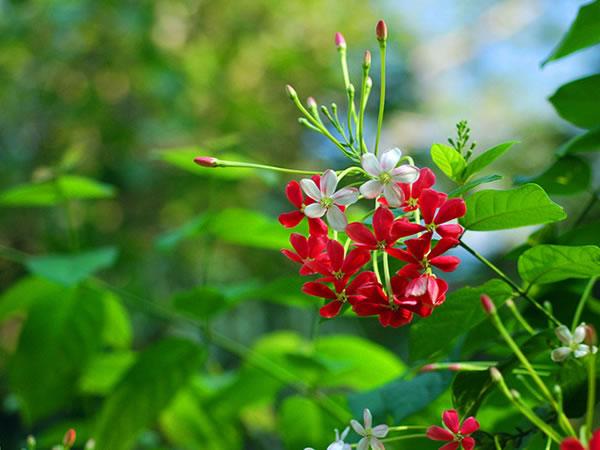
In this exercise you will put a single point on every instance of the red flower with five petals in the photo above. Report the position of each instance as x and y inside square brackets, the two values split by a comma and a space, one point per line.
[419, 293]
[572, 443]
[420, 256]
[290, 219]
[412, 191]
[307, 250]
[437, 209]
[339, 267]
[458, 435]
[375, 301]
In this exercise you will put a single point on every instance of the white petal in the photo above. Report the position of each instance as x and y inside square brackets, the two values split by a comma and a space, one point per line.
[582, 350]
[579, 334]
[358, 428]
[336, 218]
[310, 188]
[314, 210]
[563, 333]
[367, 418]
[337, 445]
[376, 444]
[393, 194]
[345, 196]
[345, 433]
[389, 159]
[328, 183]
[594, 349]
[347, 447]
[371, 189]
[380, 431]
[405, 174]
[363, 444]
[371, 165]
[560, 354]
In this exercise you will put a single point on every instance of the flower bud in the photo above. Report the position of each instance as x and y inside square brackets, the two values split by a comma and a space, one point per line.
[367, 60]
[206, 161]
[516, 395]
[291, 91]
[495, 374]
[428, 368]
[510, 303]
[350, 89]
[90, 444]
[381, 31]
[311, 102]
[69, 438]
[488, 304]
[591, 338]
[455, 367]
[369, 83]
[31, 443]
[340, 42]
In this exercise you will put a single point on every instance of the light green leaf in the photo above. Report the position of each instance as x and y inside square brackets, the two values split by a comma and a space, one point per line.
[117, 332]
[145, 391]
[486, 158]
[19, 297]
[568, 175]
[448, 160]
[459, 191]
[579, 101]
[460, 312]
[104, 371]
[302, 423]
[584, 32]
[586, 142]
[70, 269]
[551, 263]
[498, 210]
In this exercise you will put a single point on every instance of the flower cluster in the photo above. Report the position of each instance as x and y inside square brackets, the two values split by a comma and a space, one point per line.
[412, 224]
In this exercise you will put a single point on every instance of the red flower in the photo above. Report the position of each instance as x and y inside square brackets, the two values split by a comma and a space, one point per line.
[420, 256]
[290, 219]
[572, 443]
[352, 293]
[458, 435]
[420, 294]
[412, 191]
[437, 209]
[386, 231]
[375, 301]
[307, 250]
[338, 267]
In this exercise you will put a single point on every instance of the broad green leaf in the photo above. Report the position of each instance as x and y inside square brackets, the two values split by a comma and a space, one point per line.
[117, 332]
[60, 335]
[486, 158]
[145, 391]
[70, 269]
[551, 263]
[283, 290]
[460, 312]
[200, 303]
[579, 102]
[449, 161]
[19, 297]
[568, 175]
[586, 142]
[461, 190]
[66, 187]
[303, 423]
[104, 371]
[584, 32]
[498, 210]
[583, 235]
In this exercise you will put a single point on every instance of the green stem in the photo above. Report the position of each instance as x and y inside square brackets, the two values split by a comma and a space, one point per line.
[382, 46]
[376, 266]
[365, 90]
[407, 427]
[497, 442]
[386, 274]
[511, 283]
[515, 311]
[582, 301]
[591, 398]
[247, 165]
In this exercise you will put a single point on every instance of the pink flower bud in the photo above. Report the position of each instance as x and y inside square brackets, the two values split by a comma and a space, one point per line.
[428, 368]
[591, 338]
[488, 304]
[291, 91]
[69, 438]
[340, 42]
[381, 31]
[311, 102]
[495, 374]
[455, 367]
[206, 161]
[367, 59]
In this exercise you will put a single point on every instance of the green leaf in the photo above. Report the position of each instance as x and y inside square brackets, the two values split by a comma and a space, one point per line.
[486, 158]
[70, 269]
[170, 239]
[66, 187]
[19, 297]
[302, 423]
[568, 175]
[460, 312]
[448, 160]
[146, 390]
[579, 102]
[117, 332]
[551, 263]
[459, 191]
[586, 142]
[584, 32]
[498, 210]
[60, 335]
[104, 371]
[200, 303]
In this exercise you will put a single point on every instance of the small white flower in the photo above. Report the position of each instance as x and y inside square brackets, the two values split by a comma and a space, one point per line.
[327, 200]
[369, 433]
[573, 344]
[339, 443]
[385, 176]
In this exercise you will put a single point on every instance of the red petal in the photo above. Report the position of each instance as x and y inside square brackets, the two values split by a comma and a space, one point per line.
[361, 235]
[331, 309]
[426, 180]
[450, 419]
[300, 244]
[450, 210]
[450, 230]
[439, 434]
[355, 260]
[470, 425]
[429, 202]
[291, 219]
[403, 228]
[419, 247]
[450, 446]
[445, 263]
[316, 245]
[399, 317]
[306, 270]
[317, 227]
[318, 290]
[293, 192]
[292, 256]
[361, 280]
[400, 254]
[442, 246]
[382, 222]
[571, 443]
[595, 441]
[410, 271]
[468, 443]
[335, 250]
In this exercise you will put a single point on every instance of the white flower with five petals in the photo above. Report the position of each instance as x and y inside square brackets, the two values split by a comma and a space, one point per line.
[573, 343]
[327, 200]
[385, 176]
[339, 443]
[370, 434]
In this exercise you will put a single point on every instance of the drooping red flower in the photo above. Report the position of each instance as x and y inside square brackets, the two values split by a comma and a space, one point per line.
[437, 210]
[420, 256]
[412, 191]
[307, 250]
[572, 443]
[375, 301]
[341, 294]
[339, 266]
[457, 434]
[291, 219]
[386, 231]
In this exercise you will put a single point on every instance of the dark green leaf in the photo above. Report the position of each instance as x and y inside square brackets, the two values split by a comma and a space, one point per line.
[486, 158]
[170, 239]
[586, 142]
[26, 292]
[200, 303]
[448, 160]
[459, 191]
[568, 175]
[498, 210]
[579, 102]
[551, 263]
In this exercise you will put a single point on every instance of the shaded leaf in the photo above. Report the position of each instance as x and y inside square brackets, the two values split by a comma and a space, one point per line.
[27, 291]
[200, 303]
[579, 102]
[486, 158]
[586, 142]
[170, 239]
[568, 175]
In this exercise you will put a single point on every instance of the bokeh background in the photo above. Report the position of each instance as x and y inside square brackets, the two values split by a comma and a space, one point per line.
[124, 94]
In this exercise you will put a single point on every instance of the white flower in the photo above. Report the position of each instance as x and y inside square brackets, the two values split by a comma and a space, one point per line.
[327, 200]
[573, 344]
[370, 434]
[339, 443]
[385, 176]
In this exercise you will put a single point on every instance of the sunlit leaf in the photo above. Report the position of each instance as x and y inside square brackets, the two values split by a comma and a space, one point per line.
[579, 102]
[117, 331]
[104, 371]
[448, 160]
[303, 423]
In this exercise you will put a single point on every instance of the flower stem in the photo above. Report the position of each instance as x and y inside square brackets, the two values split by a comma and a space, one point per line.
[515, 311]
[511, 283]
[382, 47]
[582, 301]
[365, 90]
[408, 427]
[247, 165]
[376, 266]
[591, 398]
[386, 273]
